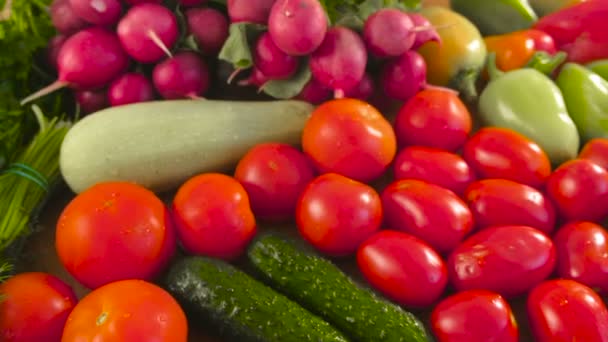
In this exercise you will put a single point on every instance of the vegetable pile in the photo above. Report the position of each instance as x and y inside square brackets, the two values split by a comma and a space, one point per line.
[476, 211]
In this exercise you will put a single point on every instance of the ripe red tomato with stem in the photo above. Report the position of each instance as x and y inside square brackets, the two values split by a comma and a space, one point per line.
[114, 231]
[213, 216]
[596, 150]
[336, 214]
[34, 306]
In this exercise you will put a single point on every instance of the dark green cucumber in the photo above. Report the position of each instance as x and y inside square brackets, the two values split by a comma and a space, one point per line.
[321, 287]
[241, 308]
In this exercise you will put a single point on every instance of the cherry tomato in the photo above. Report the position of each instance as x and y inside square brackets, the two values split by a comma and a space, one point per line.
[501, 202]
[596, 150]
[427, 211]
[114, 231]
[403, 267]
[434, 117]
[434, 165]
[349, 137]
[509, 260]
[582, 253]
[34, 306]
[274, 176]
[127, 310]
[474, 315]
[579, 189]
[495, 152]
[563, 310]
[336, 214]
[213, 216]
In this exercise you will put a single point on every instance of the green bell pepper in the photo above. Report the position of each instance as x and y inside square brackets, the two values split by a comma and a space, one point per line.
[494, 17]
[599, 67]
[586, 95]
[529, 102]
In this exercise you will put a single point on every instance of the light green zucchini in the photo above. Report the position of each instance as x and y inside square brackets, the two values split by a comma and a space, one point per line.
[161, 144]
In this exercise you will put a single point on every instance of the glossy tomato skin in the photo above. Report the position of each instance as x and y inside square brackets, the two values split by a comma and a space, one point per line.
[274, 175]
[596, 150]
[474, 315]
[114, 231]
[336, 214]
[127, 310]
[403, 267]
[34, 307]
[434, 117]
[500, 202]
[579, 189]
[213, 216]
[496, 152]
[434, 165]
[427, 211]
[582, 254]
[349, 137]
[509, 260]
[563, 310]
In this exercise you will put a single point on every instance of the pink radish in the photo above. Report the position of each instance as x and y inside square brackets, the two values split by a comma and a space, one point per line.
[89, 59]
[64, 19]
[147, 32]
[137, 2]
[297, 26]
[256, 78]
[191, 3]
[363, 90]
[98, 12]
[339, 63]
[403, 77]
[272, 61]
[91, 101]
[130, 88]
[314, 92]
[53, 48]
[250, 11]
[389, 32]
[425, 30]
[209, 27]
[184, 75]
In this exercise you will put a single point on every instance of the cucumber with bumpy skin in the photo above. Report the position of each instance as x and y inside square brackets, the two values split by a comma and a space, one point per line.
[241, 308]
[321, 287]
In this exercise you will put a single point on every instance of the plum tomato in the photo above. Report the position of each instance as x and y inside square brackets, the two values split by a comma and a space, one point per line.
[403, 267]
[596, 150]
[114, 231]
[496, 152]
[213, 216]
[437, 166]
[336, 214]
[427, 211]
[509, 260]
[274, 175]
[349, 137]
[563, 310]
[501, 202]
[474, 315]
[582, 254]
[127, 310]
[34, 306]
[434, 117]
[579, 190]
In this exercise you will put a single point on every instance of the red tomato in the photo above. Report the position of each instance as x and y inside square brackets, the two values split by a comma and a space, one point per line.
[274, 176]
[127, 310]
[564, 310]
[579, 189]
[427, 211]
[542, 41]
[495, 152]
[336, 214]
[34, 307]
[596, 150]
[582, 253]
[403, 267]
[434, 117]
[474, 315]
[349, 137]
[509, 260]
[434, 165]
[501, 202]
[114, 231]
[213, 216]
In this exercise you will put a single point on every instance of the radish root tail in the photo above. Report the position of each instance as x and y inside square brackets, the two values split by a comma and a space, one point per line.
[44, 91]
[156, 39]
